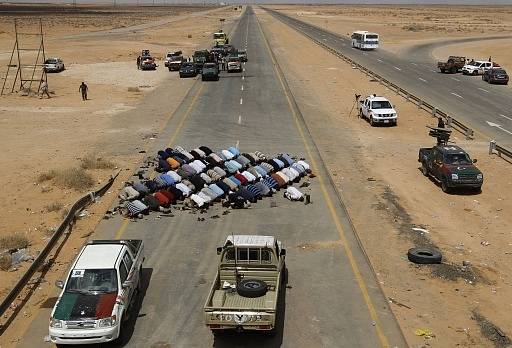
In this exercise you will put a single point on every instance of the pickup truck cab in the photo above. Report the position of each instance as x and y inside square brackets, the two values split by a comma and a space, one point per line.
[98, 292]
[451, 166]
[478, 67]
[377, 110]
[245, 293]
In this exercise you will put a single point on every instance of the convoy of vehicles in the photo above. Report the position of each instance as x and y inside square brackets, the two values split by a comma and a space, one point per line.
[453, 65]
[98, 293]
[53, 65]
[496, 75]
[378, 110]
[246, 290]
[365, 40]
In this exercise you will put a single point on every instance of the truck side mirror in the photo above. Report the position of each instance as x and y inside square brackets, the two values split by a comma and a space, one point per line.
[282, 252]
[474, 160]
[219, 250]
[59, 284]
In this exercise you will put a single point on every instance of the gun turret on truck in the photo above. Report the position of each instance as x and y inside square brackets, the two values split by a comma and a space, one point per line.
[246, 290]
[448, 164]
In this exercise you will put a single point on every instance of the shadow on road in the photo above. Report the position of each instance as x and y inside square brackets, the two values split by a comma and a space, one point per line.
[256, 339]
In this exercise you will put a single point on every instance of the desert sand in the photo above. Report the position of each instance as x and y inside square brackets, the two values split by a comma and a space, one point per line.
[116, 125]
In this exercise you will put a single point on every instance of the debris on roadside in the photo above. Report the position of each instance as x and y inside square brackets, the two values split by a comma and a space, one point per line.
[424, 255]
[427, 333]
[392, 300]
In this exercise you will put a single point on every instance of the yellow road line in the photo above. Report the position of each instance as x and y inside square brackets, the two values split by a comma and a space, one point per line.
[355, 268]
[177, 131]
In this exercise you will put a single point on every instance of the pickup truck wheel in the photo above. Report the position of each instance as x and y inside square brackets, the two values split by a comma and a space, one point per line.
[251, 288]
[443, 71]
[475, 73]
[424, 255]
[424, 168]
[372, 123]
[444, 186]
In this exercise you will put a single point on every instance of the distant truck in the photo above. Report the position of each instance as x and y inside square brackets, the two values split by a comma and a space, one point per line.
[98, 294]
[220, 38]
[449, 164]
[53, 65]
[173, 60]
[245, 293]
[378, 110]
[453, 65]
[210, 72]
[199, 58]
[478, 67]
[147, 63]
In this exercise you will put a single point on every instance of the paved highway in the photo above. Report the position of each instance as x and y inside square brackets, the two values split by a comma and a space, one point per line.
[467, 98]
[333, 299]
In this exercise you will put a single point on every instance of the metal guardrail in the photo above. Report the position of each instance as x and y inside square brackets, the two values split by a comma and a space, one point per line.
[65, 224]
[501, 151]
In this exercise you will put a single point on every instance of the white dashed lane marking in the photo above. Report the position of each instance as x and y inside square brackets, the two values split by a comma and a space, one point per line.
[483, 90]
[422, 79]
[457, 95]
[508, 118]
[454, 79]
[397, 68]
[241, 101]
[240, 119]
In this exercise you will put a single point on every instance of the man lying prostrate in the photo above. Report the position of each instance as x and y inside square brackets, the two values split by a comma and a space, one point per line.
[293, 194]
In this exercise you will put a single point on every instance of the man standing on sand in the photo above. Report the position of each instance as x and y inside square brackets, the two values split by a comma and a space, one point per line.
[83, 88]
[44, 89]
[138, 63]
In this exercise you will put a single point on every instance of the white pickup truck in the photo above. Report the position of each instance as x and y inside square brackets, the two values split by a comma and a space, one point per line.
[378, 110]
[478, 67]
[99, 291]
[245, 293]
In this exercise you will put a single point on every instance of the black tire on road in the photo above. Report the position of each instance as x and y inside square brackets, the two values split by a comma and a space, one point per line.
[371, 121]
[251, 288]
[444, 186]
[443, 71]
[453, 70]
[424, 168]
[424, 255]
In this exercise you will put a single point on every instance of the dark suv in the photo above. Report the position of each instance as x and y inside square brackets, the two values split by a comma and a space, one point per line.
[210, 72]
[188, 69]
[496, 76]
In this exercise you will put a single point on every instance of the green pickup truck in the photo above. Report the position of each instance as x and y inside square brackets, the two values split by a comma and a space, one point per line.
[246, 290]
[451, 166]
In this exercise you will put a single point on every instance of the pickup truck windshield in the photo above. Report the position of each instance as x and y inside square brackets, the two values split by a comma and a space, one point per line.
[381, 105]
[249, 255]
[457, 158]
[92, 281]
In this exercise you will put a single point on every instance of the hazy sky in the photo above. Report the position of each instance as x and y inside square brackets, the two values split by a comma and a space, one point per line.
[467, 2]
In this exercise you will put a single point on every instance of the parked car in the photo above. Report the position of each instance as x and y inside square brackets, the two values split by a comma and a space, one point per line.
[242, 55]
[173, 60]
[245, 293]
[53, 65]
[478, 67]
[377, 110]
[210, 72]
[188, 69]
[234, 64]
[497, 75]
[98, 294]
[453, 65]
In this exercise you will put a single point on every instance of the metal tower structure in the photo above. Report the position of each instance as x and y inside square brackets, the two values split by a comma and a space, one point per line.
[31, 74]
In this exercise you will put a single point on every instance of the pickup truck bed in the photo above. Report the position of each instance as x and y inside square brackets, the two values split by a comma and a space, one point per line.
[228, 299]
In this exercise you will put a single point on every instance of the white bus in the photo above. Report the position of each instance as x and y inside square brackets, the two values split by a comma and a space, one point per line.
[365, 40]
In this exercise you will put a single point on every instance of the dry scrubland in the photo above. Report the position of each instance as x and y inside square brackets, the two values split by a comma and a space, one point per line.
[55, 150]
[387, 196]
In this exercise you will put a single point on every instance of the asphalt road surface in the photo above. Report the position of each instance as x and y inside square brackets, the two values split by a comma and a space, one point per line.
[333, 298]
[484, 107]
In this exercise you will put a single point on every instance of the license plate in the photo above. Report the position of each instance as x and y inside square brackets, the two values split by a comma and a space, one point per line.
[386, 121]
